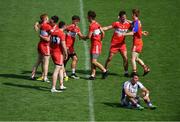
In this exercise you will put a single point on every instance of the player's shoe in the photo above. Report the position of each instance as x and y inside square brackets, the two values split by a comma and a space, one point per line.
[54, 90]
[32, 78]
[146, 70]
[92, 78]
[139, 108]
[74, 76]
[40, 78]
[66, 78]
[104, 75]
[62, 87]
[152, 107]
[126, 75]
[46, 80]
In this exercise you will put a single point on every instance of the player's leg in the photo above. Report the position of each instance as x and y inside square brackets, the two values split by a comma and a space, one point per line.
[34, 69]
[73, 66]
[147, 100]
[125, 62]
[54, 78]
[61, 76]
[93, 70]
[99, 65]
[135, 103]
[66, 78]
[145, 67]
[45, 67]
[133, 62]
[108, 60]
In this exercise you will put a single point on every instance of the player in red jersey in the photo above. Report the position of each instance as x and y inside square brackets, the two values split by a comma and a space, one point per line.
[43, 47]
[118, 40]
[137, 43]
[72, 31]
[58, 52]
[96, 34]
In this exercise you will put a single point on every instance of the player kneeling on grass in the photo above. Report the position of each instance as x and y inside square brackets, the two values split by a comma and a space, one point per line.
[129, 94]
[58, 49]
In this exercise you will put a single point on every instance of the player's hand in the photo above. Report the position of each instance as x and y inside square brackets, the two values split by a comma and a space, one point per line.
[145, 33]
[65, 56]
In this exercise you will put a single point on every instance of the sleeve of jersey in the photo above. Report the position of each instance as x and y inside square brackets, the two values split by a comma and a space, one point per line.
[136, 27]
[62, 37]
[114, 24]
[140, 85]
[126, 84]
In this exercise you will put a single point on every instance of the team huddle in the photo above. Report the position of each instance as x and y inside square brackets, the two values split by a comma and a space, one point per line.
[57, 41]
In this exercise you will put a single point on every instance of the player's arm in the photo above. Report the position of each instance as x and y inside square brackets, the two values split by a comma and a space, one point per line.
[36, 26]
[81, 36]
[107, 27]
[45, 38]
[63, 44]
[129, 94]
[129, 21]
[145, 91]
[102, 33]
[89, 35]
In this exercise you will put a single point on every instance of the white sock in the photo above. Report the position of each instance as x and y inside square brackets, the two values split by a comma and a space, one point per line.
[126, 72]
[73, 70]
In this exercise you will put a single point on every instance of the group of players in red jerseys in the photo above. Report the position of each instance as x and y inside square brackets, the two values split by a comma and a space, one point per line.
[57, 41]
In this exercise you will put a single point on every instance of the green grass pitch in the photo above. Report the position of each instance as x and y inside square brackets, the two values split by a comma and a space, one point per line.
[22, 99]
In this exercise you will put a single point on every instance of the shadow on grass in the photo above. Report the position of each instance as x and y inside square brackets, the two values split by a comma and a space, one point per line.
[42, 88]
[15, 76]
[113, 105]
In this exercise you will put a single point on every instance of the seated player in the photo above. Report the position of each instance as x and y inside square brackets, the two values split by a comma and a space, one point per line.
[129, 96]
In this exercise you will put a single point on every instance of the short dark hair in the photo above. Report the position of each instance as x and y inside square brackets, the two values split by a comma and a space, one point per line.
[55, 18]
[136, 12]
[61, 24]
[121, 13]
[92, 14]
[134, 74]
[75, 17]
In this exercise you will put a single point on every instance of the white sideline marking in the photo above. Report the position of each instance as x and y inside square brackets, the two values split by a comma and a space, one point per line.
[87, 58]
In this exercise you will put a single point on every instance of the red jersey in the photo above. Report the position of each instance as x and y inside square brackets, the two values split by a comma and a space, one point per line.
[120, 28]
[72, 31]
[94, 27]
[57, 36]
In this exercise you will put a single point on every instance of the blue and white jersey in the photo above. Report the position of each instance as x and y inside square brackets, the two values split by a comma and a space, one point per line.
[131, 88]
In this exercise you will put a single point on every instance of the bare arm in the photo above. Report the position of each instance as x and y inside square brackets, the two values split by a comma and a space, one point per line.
[130, 95]
[102, 33]
[36, 26]
[107, 28]
[145, 33]
[45, 38]
[63, 44]
[129, 33]
[81, 36]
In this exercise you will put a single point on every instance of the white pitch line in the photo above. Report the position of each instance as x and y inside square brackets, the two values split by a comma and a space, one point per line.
[87, 58]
